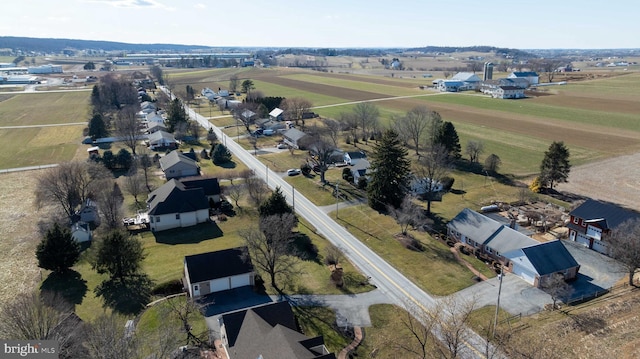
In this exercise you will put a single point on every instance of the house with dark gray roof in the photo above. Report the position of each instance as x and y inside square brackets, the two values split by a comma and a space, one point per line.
[269, 331]
[162, 139]
[293, 137]
[537, 263]
[591, 223]
[502, 244]
[218, 271]
[173, 205]
[176, 164]
[210, 186]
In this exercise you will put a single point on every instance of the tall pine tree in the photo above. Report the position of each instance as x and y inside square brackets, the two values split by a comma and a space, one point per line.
[448, 137]
[555, 166]
[57, 251]
[390, 168]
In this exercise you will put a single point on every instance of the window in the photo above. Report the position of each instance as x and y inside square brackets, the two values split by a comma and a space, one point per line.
[157, 219]
[489, 250]
[177, 215]
[196, 287]
[576, 220]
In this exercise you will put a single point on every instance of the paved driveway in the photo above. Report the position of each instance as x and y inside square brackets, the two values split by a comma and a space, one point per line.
[597, 272]
[517, 296]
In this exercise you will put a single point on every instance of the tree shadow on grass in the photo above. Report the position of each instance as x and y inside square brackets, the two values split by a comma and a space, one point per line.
[230, 164]
[68, 285]
[189, 235]
[127, 296]
[303, 247]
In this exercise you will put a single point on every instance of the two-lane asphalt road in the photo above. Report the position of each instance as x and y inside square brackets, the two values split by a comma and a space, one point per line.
[395, 285]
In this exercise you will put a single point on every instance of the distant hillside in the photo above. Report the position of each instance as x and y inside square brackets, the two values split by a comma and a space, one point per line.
[485, 49]
[57, 45]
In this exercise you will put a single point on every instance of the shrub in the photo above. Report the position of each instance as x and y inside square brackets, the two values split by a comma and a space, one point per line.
[347, 175]
[447, 183]
[305, 168]
[362, 183]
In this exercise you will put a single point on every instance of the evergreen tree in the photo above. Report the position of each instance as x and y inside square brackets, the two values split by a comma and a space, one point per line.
[57, 251]
[109, 160]
[448, 137]
[119, 255]
[220, 154]
[124, 159]
[555, 166]
[390, 168]
[97, 127]
[276, 204]
[176, 115]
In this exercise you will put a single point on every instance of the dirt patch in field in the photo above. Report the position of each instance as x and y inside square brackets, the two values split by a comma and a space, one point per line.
[18, 267]
[373, 80]
[615, 180]
[335, 91]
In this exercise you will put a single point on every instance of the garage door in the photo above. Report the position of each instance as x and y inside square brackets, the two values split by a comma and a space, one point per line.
[218, 285]
[523, 273]
[583, 240]
[240, 281]
[600, 247]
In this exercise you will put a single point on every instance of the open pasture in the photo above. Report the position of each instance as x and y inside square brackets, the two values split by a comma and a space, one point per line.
[45, 108]
[520, 131]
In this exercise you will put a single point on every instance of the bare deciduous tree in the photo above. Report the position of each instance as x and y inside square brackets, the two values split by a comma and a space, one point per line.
[256, 188]
[408, 214]
[321, 148]
[474, 149]
[557, 288]
[270, 247]
[28, 317]
[295, 107]
[624, 245]
[349, 123]
[127, 127]
[106, 339]
[234, 192]
[332, 255]
[492, 163]
[134, 182]
[70, 184]
[433, 166]
[414, 124]
[333, 129]
[367, 115]
[110, 201]
[441, 331]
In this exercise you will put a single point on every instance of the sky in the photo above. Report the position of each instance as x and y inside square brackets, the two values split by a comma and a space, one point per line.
[522, 24]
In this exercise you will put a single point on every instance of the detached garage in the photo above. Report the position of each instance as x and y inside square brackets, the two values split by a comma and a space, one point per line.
[536, 263]
[218, 271]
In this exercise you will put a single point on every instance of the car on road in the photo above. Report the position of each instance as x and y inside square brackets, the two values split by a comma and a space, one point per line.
[293, 171]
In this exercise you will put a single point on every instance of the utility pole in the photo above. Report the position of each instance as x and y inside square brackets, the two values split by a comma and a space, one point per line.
[495, 319]
[337, 197]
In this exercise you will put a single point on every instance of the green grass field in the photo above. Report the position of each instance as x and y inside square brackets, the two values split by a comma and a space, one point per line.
[45, 108]
[529, 107]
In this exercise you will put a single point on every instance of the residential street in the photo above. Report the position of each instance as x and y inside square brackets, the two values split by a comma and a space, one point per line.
[400, 290]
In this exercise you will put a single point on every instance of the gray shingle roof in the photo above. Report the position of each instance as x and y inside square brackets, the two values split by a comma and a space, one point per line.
[546, 258]
[210, 186]
[175, 157]
[158, 135]
[218, 264]
[294, 134]
[474, 225]
[173, 197]
[609, 215]
[270, 331]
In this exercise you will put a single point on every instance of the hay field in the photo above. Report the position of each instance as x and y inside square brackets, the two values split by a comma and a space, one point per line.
[18, 235]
